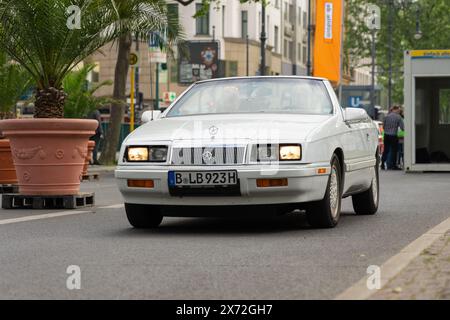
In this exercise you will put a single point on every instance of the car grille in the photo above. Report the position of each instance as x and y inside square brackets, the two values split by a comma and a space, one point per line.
[208, 155]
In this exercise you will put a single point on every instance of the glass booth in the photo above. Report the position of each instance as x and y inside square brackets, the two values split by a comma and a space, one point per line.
[427, 110]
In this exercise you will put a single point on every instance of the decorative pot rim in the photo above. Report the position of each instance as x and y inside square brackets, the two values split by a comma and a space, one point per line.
[47, 124]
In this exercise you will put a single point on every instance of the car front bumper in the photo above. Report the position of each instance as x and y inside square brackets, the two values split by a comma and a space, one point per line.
[304, 184]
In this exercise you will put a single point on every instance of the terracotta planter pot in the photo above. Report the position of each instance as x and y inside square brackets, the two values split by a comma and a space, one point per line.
[48, 154]
[7, 170]
[91, 146]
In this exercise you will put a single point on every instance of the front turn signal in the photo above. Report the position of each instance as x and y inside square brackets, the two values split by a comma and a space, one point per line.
[267, 183]
[141, 184]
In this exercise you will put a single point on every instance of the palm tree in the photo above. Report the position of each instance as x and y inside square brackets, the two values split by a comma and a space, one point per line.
[129, 11]
[14, 82]
[36, 34]
[80, 95]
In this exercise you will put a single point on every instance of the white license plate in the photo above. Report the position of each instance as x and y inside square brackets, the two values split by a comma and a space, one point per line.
[202, 178]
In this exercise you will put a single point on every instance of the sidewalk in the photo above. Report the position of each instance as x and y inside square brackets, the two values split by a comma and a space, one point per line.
[426, 277]
[101, 169]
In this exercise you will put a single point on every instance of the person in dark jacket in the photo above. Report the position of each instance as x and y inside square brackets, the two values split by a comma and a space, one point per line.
[97, 136]
[391, 124]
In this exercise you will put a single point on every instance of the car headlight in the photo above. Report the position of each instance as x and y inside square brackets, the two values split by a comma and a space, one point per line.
[276, 152]
[147, 154]
[137, 154]
[158, 154]
[290, 152]
[267, 152]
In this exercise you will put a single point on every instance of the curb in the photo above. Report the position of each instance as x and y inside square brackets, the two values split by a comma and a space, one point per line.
[397, 263]
[101, 169]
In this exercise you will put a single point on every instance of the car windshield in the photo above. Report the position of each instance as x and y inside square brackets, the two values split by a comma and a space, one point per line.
[270, 95]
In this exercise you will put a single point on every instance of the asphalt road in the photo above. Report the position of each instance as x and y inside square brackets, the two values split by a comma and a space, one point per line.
[211, 258]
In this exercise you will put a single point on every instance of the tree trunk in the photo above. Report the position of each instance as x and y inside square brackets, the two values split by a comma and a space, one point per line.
[49, 103]
[111, 140]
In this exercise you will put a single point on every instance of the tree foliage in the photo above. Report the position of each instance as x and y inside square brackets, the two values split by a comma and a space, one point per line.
[14, 81]
[129, 12]
[35, 33]
[434, 21]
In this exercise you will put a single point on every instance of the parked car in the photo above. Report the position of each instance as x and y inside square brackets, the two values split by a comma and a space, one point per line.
[278, 143]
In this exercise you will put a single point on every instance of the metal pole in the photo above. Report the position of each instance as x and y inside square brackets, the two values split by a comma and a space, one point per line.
[137, 71]
[390, 27]
[157, 87]
[132, 99]
[247, 54]
[372, 89]
[263, 39]
[341, 53]
[308, 63]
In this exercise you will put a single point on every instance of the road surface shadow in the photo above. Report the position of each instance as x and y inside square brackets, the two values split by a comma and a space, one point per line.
[295, 221]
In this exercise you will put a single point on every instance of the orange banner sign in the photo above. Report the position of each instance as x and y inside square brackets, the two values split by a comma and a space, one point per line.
[327, 44]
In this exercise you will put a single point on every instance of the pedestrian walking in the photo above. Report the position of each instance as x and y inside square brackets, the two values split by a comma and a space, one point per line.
[391, 124]
[97, 136]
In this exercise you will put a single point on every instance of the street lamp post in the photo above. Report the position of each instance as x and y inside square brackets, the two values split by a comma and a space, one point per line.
[263, 38]
[373, 23]
[308, 63]
[390, 22]
[418, 34]
[246, 54]
[372, 88]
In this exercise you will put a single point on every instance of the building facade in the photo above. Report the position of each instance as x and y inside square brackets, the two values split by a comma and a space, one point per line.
[237, 29]
[295, 36]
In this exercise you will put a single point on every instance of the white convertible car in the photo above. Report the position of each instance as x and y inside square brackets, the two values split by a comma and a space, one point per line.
[250, 145]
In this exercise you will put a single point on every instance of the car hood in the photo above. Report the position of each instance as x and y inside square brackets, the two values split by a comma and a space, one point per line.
[229, 127]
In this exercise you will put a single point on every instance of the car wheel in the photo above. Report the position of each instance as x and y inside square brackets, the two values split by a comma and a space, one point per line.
[143, 216]
[326, 213]
[366, 203]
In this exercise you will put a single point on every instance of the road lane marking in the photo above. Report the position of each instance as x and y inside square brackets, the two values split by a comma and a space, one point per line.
[42, 216]
[114, 206]
[396, 264]
[56, 214]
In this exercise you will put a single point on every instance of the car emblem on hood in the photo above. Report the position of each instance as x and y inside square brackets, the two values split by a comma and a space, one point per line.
[213, 130]
[208, 157]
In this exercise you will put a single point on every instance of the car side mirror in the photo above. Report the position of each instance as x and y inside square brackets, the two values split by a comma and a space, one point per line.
[355, 115]
[150, 115]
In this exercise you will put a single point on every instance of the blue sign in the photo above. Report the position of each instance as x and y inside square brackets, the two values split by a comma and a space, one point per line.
[154, 40]
[355, 101]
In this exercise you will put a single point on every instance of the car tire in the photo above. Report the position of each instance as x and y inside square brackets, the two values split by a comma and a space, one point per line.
[326, 212]
[366, 203]
[143, 216]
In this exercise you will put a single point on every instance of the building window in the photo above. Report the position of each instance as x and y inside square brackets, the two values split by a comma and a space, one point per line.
[286, 11]
[275, 43]
[244, 23]
[277, 4]
[223, 21]
[299, 16]
[305, 20]
[292, 14]
[259, 21]
[299, 52]
[291, 50]
[305, 54]
[285, 48]
[172, 9]
[202, 23]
